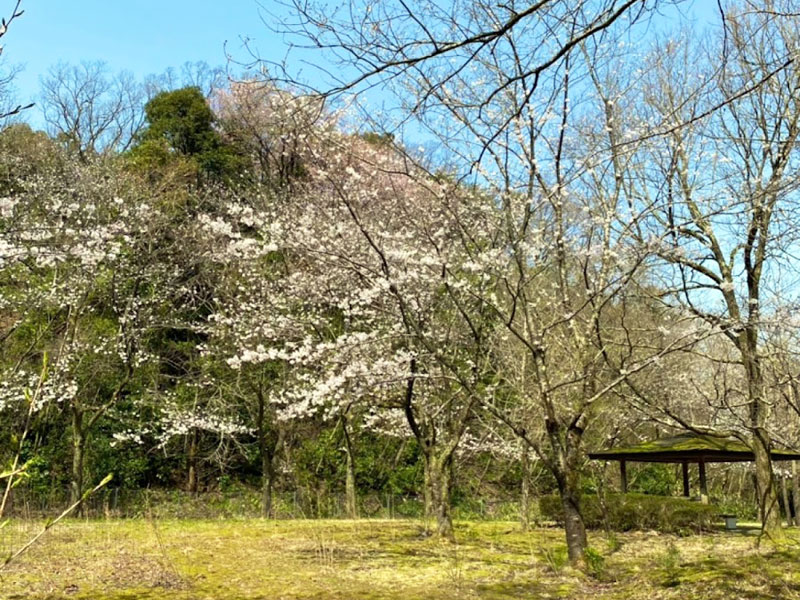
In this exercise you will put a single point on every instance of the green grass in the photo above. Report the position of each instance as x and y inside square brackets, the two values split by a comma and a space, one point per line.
[250, 559]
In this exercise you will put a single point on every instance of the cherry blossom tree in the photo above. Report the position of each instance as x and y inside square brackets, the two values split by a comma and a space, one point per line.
[271, 125]
[355, 307]
[242, 329]
[81, 267]
[434, 291]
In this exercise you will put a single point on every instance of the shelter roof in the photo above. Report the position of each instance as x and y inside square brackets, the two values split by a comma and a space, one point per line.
[689, 447]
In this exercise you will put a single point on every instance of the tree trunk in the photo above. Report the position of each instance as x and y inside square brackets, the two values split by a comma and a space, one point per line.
[350, 475]
[78, 447]
[350, 489]
[565, 442]
[786, 507]
[524, 503]
[769, 508]
[796, 493]
[438, 460]
[267, 454]
[426, 493]
[192, 484]
[267, 484]
[439, 473]
[574, 528]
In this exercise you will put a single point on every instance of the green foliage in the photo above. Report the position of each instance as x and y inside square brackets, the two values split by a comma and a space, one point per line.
[380, 140]
[743, 508]
[595, 563]
[655, 479]
[25, 152]
[181, 130]
[183, 119]
[127, 461]
[387, 466]
[556, 558]
[318, 461]
[614, 543]
[670, 563]
[36, 475]
[627, 512]
[382, 466]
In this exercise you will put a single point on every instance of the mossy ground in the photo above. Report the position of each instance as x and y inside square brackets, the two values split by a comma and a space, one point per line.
[249, 559]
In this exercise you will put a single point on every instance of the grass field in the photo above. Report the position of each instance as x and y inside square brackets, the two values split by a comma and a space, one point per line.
[249, 559]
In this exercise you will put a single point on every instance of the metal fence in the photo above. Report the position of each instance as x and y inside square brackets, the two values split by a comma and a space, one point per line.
[243, 502]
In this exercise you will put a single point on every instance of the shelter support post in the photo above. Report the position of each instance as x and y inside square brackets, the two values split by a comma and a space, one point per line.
[685, 466]
[623, 476]
[796, 493]
[786, 507]
[703, 484]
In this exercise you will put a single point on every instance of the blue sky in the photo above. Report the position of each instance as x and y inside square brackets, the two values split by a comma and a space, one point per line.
[148, 36]
[143, 36]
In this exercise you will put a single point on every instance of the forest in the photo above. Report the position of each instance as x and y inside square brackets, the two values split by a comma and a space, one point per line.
[234, 293]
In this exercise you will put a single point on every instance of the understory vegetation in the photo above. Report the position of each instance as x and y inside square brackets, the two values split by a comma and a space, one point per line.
[248, 559]
[627, 512]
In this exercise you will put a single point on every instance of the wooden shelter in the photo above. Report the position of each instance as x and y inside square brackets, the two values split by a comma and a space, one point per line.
[684, 449]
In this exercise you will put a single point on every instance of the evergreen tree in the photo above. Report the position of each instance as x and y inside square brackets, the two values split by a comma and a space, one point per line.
[180, 128]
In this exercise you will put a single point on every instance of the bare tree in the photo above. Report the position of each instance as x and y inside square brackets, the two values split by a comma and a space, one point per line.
[724, 189]
[422, 49]
[90, 109]
[7, 107]
[209, 80]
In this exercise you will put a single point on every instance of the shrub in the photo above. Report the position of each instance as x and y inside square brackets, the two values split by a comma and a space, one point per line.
[654, 479]
[556, 558]
[671, 566]
[595, 563]
[744, 509]
[626, 512]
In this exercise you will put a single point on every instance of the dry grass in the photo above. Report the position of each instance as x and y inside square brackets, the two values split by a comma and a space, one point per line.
[249, 559]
